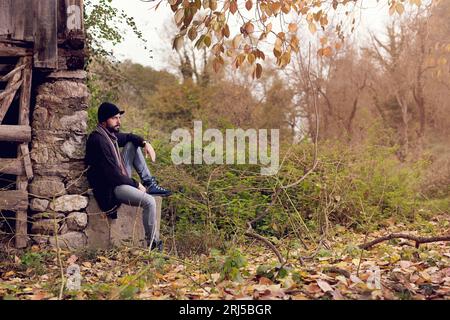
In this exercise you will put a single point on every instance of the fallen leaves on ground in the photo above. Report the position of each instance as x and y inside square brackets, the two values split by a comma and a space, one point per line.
[336, 270]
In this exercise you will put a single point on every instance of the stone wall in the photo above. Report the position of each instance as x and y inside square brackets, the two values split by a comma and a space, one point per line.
[58, 192]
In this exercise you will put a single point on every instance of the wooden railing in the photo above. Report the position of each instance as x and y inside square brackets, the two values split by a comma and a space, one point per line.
[18, 84]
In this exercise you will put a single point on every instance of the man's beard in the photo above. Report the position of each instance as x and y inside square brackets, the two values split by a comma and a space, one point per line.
[113, 129]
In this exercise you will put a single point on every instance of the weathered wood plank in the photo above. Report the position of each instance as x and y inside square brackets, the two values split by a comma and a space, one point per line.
[14, 51]
[12, 72]
[25, 94]
[15, 133]
[46, 42]
[18, 16]
[11, 89]
[25, 153]
[14, 200]
[21, 229]
[12, 166]
[5, 17]
[21, 215]
[22, 13]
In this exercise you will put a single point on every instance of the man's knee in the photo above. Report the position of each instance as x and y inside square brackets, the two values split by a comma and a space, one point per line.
[149, 201]
[129, 146]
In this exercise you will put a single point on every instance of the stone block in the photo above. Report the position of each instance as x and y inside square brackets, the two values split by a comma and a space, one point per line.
[77, 221]
[70, 240]
[47, 187]
[126, 230]
[69, 203]
[39, 205]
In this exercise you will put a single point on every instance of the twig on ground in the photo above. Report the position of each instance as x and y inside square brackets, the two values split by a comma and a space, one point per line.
[417, 239]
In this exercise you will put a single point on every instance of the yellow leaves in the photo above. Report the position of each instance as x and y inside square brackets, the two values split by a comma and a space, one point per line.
[292, 27]
[268, 28]
[192, 33]
[284, 60]
[278, 44]
[248, 5]
[399, 8]
[286, 7]
[312, 27]
[217, 64]
[396, 6]
[213, 4]
[294, 44]
[251, 58]
[178, 42]
[239, 60]
[226, 31]
[249, 27]
[207, 40]
[236, 41]
[258, 71]
[233, 7]
[275, 7]
[325, 52]
[179, 15]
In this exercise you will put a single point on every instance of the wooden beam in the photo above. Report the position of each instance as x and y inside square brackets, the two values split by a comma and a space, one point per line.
[23, 151]
[10, 90]
[14, 51]
[5, 17]
[46, 40]
[22, 17]
[21, 235]
[14, 200]
[12, 73]
[21, 215]
[25, 94]
[15, 133]
[12, 87]
[12, 166]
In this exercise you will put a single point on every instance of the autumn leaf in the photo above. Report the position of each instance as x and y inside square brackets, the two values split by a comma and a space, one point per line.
[249, 5]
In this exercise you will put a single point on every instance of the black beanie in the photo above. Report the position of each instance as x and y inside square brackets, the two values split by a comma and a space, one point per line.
[107, 110]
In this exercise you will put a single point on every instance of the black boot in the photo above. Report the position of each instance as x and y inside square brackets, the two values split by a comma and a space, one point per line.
[156, 244]
[154, 189]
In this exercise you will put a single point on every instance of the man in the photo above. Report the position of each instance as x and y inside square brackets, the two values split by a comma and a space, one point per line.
[109, 171]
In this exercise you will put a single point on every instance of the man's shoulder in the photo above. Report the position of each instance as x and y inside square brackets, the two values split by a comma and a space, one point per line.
[95, 138]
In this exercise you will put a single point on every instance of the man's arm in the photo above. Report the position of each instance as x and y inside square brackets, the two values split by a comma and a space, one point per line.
[110, 170]
[124, 138]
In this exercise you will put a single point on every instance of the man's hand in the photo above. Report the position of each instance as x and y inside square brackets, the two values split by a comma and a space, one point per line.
[148, 150]
[141, 187]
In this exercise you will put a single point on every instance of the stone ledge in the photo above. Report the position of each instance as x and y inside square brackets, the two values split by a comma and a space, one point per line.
[79, 74]
[126, 230]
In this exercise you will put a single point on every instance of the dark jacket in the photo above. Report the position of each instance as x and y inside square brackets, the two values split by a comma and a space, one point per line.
[104, 173]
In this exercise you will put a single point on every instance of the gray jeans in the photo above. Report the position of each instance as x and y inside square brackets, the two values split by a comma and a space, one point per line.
[132, 196]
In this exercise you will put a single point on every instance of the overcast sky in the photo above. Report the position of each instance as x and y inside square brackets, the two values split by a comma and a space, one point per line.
[153, 23]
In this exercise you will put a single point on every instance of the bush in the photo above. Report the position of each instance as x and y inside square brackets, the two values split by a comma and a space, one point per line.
[349, 187]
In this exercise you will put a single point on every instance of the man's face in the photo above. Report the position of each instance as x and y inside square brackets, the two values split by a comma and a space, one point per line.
[113, 123]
